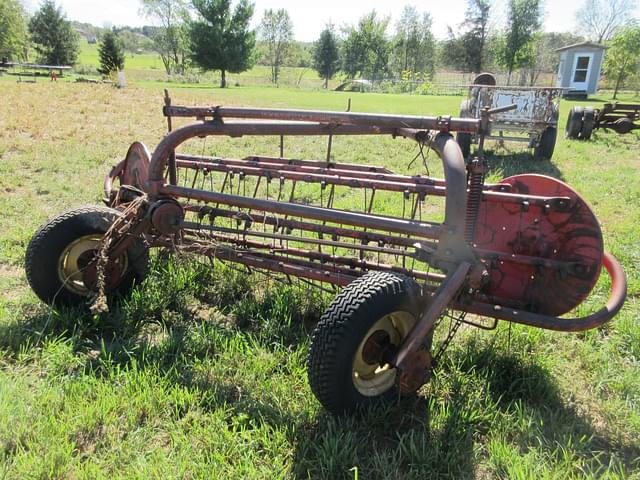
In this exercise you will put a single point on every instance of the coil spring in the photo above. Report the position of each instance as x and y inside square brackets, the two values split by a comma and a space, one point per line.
[476, 181]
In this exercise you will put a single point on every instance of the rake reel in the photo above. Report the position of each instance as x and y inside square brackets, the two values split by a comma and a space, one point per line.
[527, 249]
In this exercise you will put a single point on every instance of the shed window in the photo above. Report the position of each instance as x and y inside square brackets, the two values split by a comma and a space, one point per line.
[582, 67]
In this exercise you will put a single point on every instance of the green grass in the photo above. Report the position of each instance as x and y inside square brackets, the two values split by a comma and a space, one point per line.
[88, 55]
[148, 67]
[210, 381]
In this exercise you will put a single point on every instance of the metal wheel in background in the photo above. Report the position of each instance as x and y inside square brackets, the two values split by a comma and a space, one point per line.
[574, 122]
[547, 144]
[465, 139]
[485, 78]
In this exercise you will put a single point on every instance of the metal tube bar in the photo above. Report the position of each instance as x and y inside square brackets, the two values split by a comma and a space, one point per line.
[606, 313]
[327, 258]
[348, 181]
[311, 227]
[395, 183]
[292, 238]
[197, 161]
[172, 140]
[334, 118]
[441, 299]
[310, 163]
[279, 266]
[452, 247]
[389, 224]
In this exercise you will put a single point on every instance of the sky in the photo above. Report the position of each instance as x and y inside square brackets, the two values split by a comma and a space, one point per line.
[310, 16]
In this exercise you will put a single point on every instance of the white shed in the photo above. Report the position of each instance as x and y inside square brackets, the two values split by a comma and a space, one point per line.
[580, 65]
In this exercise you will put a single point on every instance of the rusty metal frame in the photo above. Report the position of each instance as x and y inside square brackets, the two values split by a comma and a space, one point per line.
[544, 111]
[448, 246]
[620, 117]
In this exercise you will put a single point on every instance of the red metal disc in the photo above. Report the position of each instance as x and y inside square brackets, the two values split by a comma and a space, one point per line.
[553, 255]
[136, 166]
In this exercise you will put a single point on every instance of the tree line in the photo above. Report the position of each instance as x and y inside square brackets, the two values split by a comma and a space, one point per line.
[216, 35]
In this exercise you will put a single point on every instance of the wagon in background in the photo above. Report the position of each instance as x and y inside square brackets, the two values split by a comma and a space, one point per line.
[534, 121]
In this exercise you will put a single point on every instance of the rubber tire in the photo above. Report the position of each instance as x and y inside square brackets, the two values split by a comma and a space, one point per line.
[465, 109]
[464, 141]
[547, 144]
[588, 122]
[485, 78]
[50, 241]
[337, 336]
[574, 122]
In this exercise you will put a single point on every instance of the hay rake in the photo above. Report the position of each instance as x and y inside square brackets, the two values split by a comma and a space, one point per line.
[526, 249]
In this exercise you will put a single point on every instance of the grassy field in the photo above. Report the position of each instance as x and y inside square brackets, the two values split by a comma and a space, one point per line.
[209, 381]
[148, 67]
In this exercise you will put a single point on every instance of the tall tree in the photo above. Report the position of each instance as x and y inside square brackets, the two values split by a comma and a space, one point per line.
[13, 29]
[55, 40]
[111, 54]
[170, 40]
[221, 39]
[414, 45]
[475, 40]
[516, 49]
[276, 31]
[365, 51]
[623, 57]
[326, 58]
[598, 20]
[468, 50]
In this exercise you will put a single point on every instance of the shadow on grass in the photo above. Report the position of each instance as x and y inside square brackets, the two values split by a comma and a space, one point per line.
[479, 390]
[504, 162]
[525, 391]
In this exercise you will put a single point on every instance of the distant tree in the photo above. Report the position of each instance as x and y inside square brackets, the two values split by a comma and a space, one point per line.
[544, 58]
[111, 54]
[221, 39]
[132, 41]
[13, 29]
[365, 51]
[170, 40]
[467, 51]
[453, 53]
[413, 45]
[516, 49]
[623, 57]
[475, 40]
[300, 55]
[55, 40]
[276, 31]
[326, 57]
[598, 20]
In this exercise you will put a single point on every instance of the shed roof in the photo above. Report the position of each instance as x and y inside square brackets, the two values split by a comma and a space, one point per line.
[581, 44]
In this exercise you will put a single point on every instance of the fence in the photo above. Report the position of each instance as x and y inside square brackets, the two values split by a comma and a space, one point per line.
[442, 83]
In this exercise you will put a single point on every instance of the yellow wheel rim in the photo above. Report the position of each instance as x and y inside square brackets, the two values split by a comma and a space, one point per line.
[373, 378]
[74, 259]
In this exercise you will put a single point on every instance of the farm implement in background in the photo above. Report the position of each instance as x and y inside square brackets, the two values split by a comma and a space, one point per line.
[534, 120]
[527, 249]
[620, 117]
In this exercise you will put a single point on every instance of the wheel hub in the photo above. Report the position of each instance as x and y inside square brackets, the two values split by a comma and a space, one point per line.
[372, 373]
[77, 266]
[377, 347]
